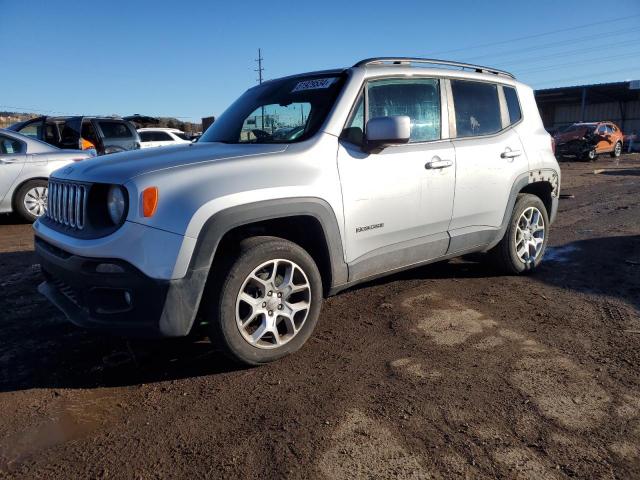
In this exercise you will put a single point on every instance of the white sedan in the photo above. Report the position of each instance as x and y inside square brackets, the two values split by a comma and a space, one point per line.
[161, 137]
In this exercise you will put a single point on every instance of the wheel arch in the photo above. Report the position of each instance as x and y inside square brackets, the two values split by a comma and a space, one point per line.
[22, 183]
[309, 222]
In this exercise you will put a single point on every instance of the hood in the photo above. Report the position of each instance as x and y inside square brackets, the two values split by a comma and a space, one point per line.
[564, 137]
[119, 168]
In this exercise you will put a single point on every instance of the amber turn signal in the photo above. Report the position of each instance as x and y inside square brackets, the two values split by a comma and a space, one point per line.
[149, 201]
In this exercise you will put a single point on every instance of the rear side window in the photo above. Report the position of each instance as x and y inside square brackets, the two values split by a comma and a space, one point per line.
[419, 99]
[9, 146]
[477, 108]
[146, 136]
[513, 105]
[114, 129]
[31, 130]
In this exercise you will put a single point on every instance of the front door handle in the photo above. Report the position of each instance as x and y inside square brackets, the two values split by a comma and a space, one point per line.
[436, 163]
[508, 153]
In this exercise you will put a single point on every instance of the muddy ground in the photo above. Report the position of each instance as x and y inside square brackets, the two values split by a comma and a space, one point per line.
[446, 371]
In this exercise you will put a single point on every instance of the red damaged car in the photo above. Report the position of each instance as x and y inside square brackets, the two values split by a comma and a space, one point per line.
[586, 141]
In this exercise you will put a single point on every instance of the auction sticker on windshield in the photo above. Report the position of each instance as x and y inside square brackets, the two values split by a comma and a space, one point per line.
[318, 83]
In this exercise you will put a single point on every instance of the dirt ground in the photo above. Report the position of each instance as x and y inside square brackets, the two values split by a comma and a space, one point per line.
[446, 371]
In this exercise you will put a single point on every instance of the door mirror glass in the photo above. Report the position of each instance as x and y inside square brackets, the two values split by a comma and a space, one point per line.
[385, 131]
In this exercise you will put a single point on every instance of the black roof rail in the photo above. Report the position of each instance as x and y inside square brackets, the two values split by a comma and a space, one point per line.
[431, 61]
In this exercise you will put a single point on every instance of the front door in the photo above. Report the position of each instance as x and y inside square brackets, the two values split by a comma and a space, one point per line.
[397, 202]
[605, 142]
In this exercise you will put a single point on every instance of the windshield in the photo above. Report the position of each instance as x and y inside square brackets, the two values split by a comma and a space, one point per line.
[579, 126]
[280, 111]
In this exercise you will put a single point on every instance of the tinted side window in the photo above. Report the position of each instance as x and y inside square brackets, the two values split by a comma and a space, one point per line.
[419, 99]
[163, 137]
[477, 108]
[511, 96]
[114, 129]
[9, 146]
[31, 130]
[146, 136]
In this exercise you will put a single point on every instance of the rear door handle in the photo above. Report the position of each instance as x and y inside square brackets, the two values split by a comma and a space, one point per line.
[436, 163]
[508, 153]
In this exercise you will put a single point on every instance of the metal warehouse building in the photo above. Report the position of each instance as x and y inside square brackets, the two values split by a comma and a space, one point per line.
[617, 102]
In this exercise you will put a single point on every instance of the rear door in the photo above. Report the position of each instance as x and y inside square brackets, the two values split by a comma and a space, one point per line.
[116, 135]
[489, 158]
[13, 155]
[70, 134]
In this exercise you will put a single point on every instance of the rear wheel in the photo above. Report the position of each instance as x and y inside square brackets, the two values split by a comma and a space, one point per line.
[617, 150]
[524, 243]
[269, 301]
[30, 201]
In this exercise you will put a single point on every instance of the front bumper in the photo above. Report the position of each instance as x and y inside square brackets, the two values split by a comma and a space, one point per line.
[112, 295]
[575, 148]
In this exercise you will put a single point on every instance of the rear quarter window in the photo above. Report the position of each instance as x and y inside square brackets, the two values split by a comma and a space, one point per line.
[477, 108]
[513, 104]
[114, 129]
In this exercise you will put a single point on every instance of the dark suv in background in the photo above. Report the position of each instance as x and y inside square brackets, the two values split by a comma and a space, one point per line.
[102, 134]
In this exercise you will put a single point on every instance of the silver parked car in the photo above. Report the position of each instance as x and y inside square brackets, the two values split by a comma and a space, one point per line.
[25, 165]
[305, 186]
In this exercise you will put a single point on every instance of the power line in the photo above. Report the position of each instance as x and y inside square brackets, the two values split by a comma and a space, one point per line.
[553, 44]
[582, 62]
[537, 35]
[566, 53]
[557, 80]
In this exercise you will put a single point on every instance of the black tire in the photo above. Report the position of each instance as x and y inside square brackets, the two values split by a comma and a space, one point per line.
[590, 156]
[19, 199]
[221, 315]
[617, 150]
[504, 256]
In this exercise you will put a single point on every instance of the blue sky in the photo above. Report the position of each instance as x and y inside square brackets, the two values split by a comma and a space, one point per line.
[192, 59]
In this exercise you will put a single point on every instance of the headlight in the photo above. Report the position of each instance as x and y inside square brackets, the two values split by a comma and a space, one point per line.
[116, 203]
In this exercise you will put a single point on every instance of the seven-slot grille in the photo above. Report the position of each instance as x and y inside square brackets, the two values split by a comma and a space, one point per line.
[66, 203]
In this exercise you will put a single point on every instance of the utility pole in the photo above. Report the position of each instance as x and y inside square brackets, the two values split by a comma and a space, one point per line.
[260, 69]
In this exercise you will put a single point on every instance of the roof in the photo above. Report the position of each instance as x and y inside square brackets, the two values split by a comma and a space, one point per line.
[389, 61]
[163, 129]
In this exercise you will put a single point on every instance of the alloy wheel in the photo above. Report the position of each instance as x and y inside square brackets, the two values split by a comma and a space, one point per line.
[529, 238]
[273, 303]
[35, 201]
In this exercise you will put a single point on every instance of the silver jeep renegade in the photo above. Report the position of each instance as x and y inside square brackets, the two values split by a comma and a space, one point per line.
[305, 186]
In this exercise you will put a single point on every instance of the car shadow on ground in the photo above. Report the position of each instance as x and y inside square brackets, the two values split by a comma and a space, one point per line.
[11, 219]
[584, 266]
[625, 172]
[41, 349]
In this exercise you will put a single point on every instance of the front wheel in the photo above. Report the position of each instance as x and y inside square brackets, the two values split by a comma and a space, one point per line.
[269, 301]
[617, 150]
[524, 243]
[591, 155]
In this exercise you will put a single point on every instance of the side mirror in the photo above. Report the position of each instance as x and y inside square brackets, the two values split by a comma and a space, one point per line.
[384, 131]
